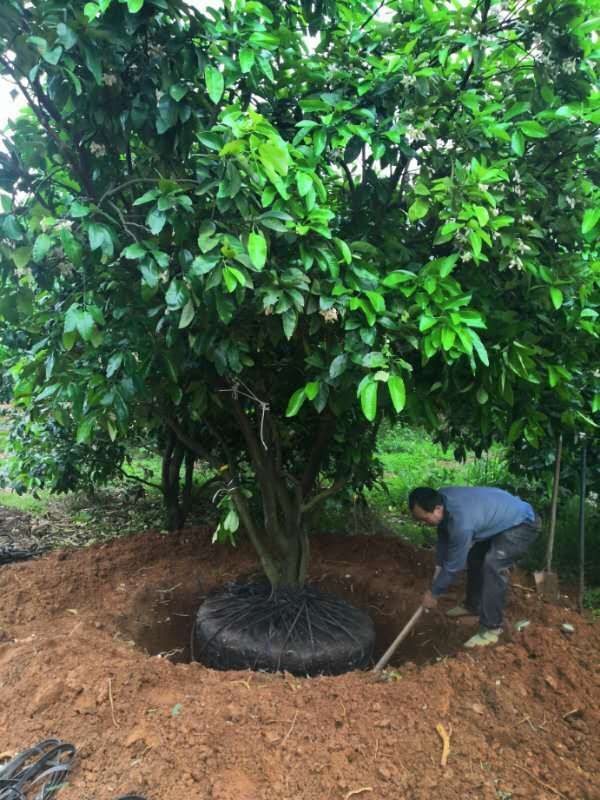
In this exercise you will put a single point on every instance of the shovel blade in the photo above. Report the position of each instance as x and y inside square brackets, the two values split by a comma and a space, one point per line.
[546, 584]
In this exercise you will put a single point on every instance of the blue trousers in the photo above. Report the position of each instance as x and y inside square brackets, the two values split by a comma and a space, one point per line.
[488, 568]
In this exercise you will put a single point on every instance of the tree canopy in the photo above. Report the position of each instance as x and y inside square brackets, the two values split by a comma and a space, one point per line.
[253, 243]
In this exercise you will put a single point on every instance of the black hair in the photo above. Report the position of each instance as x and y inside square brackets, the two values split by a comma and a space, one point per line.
[425, 497]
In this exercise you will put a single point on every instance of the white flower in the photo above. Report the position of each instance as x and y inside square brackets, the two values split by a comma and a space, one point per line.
[515, 263]
[522, 247]
[156, 50]
[569, 66]
[408, 80]
[64, 224]
[65, 269]
[570, 202]
[108, 79]
[97, 149]
[527, 218]
[411, 133]
[329, 314]
[466, 256]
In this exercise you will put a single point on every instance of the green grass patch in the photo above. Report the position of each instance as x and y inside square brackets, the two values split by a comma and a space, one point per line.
[25, 502]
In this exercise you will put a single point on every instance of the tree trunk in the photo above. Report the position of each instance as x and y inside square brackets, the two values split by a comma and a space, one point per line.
[177, 502]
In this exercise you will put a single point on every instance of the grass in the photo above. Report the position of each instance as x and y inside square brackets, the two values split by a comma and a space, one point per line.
[411, 459]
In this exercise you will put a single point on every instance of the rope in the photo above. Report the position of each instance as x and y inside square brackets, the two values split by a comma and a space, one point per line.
[264, 406]
[47, 763]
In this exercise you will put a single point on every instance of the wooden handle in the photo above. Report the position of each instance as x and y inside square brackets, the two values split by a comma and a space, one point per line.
[398, 640]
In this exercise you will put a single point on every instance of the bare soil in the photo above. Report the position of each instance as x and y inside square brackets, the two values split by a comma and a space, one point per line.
[94, 644]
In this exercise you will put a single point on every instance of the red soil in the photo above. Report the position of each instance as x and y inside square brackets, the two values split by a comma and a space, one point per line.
[74, 627]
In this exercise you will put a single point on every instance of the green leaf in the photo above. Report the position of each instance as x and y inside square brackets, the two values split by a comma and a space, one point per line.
[418, 209]
[85, 325]
[345, 251]
[246, 57]
[156, 220]
[11, 228]
[289, 320]
[215, 83]
[397, 392]
[99, 237]
[304, 183]
[517, 143]
[274, 155]
[398, 276]
[257, 249]
[475, 240]
[84, 430]
[515, 430]
[206, 238]
[556, 296]
[368, 400]
[338, 366]
[187, 315]
[482, 215]
[482, 396]
[91, 11]
[114, 364]
[590, 218]
[312, 389]
[79, 210]
[134, 251]
[533, 129]
[52, 56]
[447, 265]
[177, 92]
[295, 403]
[479, 347]
[21, 256]
[42, 244]
[426, 321]
[176, 295]
[66, 36]
[448, 338]
[147, 197]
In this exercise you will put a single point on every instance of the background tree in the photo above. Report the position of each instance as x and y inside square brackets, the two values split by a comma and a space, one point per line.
[256, 248]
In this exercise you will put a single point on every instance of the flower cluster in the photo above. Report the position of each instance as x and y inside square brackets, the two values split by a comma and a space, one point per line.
[329, 314]
[98, 150]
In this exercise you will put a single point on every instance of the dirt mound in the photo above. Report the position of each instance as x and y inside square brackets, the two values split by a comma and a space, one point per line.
[76, 628]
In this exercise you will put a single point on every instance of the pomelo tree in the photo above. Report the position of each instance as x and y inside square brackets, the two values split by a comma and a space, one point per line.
[253, 244]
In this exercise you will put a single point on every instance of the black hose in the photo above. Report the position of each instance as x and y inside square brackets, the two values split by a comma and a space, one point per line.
[9, 555]
[47, 763]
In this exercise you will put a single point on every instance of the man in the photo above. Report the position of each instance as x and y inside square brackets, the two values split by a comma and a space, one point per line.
[483, 529]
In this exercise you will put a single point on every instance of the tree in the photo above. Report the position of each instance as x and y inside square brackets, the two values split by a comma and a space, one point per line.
[258, 247]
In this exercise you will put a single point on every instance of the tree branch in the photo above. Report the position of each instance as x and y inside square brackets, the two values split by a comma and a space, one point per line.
[315, 459]
[140, 480]
[335, 487]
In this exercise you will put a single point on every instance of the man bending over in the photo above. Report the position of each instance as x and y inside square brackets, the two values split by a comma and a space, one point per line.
[484, 530]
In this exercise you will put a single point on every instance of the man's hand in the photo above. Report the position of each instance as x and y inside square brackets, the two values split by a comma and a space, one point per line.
[429, 601]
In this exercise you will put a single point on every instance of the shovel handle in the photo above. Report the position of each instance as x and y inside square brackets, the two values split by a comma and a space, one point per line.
[398, 640]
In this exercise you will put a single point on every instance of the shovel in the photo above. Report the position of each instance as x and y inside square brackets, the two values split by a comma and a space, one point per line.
[546, 581]
[398, 640]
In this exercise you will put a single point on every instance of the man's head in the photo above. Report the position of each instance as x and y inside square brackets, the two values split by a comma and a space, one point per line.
[426, 505]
